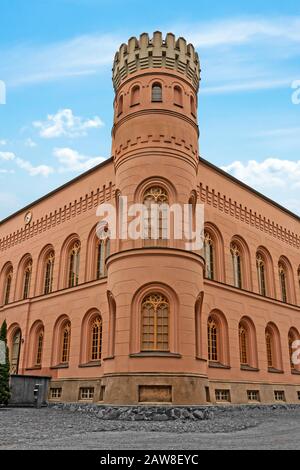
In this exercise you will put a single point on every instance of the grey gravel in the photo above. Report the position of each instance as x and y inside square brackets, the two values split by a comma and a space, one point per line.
[233, 427]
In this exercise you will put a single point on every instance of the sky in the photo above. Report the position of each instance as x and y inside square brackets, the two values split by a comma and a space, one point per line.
[55, 66]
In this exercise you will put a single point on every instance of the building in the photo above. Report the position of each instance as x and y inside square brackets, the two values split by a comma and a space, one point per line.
[140, 321]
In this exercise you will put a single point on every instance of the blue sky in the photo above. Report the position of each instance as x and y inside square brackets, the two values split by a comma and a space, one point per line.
[56, 57]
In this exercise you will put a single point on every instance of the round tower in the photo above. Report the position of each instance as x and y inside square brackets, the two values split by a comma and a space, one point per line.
[155, 285]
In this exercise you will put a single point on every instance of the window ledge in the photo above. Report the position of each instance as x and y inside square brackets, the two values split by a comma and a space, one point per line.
[90, 364]
[217, 365]
[34, 368]
[156, 354]
[60, 366]
[295, 372]
[272, 370]
[108, 358]
[249, 368]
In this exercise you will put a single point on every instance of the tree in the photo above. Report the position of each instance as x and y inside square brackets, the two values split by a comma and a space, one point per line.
[4, 369]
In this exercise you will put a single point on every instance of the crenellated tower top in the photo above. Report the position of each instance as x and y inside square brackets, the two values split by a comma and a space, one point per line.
[143, 53]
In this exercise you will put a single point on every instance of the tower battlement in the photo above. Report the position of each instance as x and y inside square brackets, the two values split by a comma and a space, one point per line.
[156, 52]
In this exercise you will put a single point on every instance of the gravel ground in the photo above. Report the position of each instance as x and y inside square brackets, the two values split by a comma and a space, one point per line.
[230, 429]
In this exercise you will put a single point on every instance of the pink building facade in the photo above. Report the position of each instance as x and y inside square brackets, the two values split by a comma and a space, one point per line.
[126, 321]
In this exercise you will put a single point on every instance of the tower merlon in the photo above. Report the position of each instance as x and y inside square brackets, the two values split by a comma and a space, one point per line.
[156, 52]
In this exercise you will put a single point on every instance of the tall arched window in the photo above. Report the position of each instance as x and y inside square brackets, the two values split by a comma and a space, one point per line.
[156, 93]
[209, 256]
[120, 105]
[103, 252]
[7, 286]
[96, 339]
[237, 265]
[74, 262]
[193, 106]
[15, 352]
[27, 279]
[155, 323]
[39, 347]
[156, 220]
[261, 274]
[65, 343]
[212, 340]
[49, 267]
[270, 348]
[178, 96]
[282, 280]
[243, 342]
[135, 96]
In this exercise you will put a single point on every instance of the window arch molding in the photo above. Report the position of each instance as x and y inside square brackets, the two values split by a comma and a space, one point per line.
[275, 341]
[269, 270]
[41, 269]
[64, 259]
[7, 270]
[57, 339]
[36, 329]
[23, 264]
[152, 182]
[86, 336]
[243, 248]
[290, 285]
[136, 316]
[219, 255]
[222, 336]
[251, 342]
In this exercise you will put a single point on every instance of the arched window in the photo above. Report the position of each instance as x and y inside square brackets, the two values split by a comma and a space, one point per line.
[156, 93]
[282, 280]
[96, 339]
[156, 219]
[237, 265]
[74, 262]
[292, 337]
[209, 256]
[15, 352]
[65, 343]
[103, 251]
[178, 96]
[135, 96]
[155, 323]
[212, 340]
[243, 341]
[120, 105]
[27, 279]
[270, 347]
[49, 267]
[261, 274]
[39, 347]
[7, 286]
[193, 106]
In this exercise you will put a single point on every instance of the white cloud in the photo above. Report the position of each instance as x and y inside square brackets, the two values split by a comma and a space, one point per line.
[40, 170]
[30, 143]
[279, 179]
[27, 64]
[7, 156]
[241, 31]
[65, 124]
[3, 142]
[71, 160]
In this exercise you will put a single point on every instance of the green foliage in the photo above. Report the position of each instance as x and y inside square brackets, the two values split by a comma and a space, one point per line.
[4, 369]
